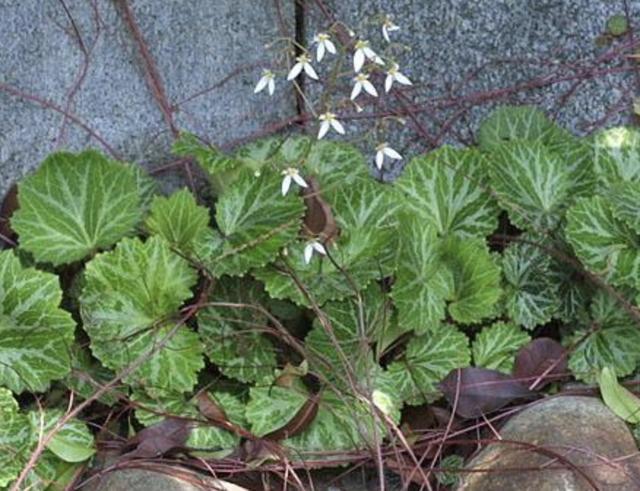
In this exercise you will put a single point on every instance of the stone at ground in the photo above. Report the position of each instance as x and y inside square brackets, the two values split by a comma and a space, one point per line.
[146, 480]
[195, 44]
[579, 430]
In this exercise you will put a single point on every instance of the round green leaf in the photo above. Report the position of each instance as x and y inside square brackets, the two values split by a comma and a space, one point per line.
[35, 333]
[75, 205]
[127, 303]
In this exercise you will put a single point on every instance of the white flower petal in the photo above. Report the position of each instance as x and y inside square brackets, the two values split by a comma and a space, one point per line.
[262, 83]
[319, 248]
[337, 125]
[286, 184]
[357, 88]
[272, 86]
[358, 60]
[379, 159]
[369, 88]
[295, 71]
[331, 48]
[308, 252]
[388, 82]
[385, 34]
[378, 60]
[308, 69]
[324, 127]
[369, 53]
[299, 180]
[402, 79]
[390, 152]
[320, 51]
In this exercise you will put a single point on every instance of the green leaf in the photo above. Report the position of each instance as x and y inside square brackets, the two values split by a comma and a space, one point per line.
[272, 407]
[617, 397]
[365, 249]
[613, 344]
[616, 154]
[73, 443]
[255, 222]
[445, 188]
[354, 327]
[178, 219]
[574, 294]
[221, 169]
[336, 166]
[624, 198]
[126, 305]
[531, 294]
[232, 335]
[577, 156]
[495, 346]
[605, 244]
[427, 360]
[423, 282]
[476, 280]
[516, 123]
[532, 184]
[451, 470]
[75, 205]
[15, 438]
[342, 423]
[88, 375]
[35, 333]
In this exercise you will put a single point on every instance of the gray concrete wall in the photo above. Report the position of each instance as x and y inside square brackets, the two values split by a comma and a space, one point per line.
[219, 45]
[195, 45]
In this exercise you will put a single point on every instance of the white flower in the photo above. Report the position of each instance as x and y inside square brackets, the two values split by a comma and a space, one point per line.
[324, 43]
[291, 174]
[362, 82]
[384, 149]
[329, 121]
[363, 51]
[393, 75]
[267, 80]
[387, 27]
[303, 63]
[312, 246]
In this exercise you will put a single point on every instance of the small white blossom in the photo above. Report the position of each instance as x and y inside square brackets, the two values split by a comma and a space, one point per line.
[303, 62]
[364, 52]
[266, 81]
[291, 174]
[387, 27]
[394, 75]
[310, 248]
[384, 149]
[324, 44]
[362, 82]
[329, 121]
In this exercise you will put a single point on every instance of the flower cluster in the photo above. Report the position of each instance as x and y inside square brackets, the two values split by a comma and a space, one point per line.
[366, 62]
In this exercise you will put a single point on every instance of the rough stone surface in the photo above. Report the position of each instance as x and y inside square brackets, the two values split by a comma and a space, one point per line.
[147, 480]
[459, 49]
[581, 430]
[196, 44]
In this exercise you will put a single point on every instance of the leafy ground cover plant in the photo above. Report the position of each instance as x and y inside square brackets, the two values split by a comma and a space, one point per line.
[298, 312]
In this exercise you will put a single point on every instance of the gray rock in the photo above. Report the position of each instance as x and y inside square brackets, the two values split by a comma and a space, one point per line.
[449, 40]
[581, 430]
[195, 43]
[173, 479]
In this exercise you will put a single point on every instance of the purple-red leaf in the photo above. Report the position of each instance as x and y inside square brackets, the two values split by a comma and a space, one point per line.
[480, 390]
[540, 362]
[159, 439]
